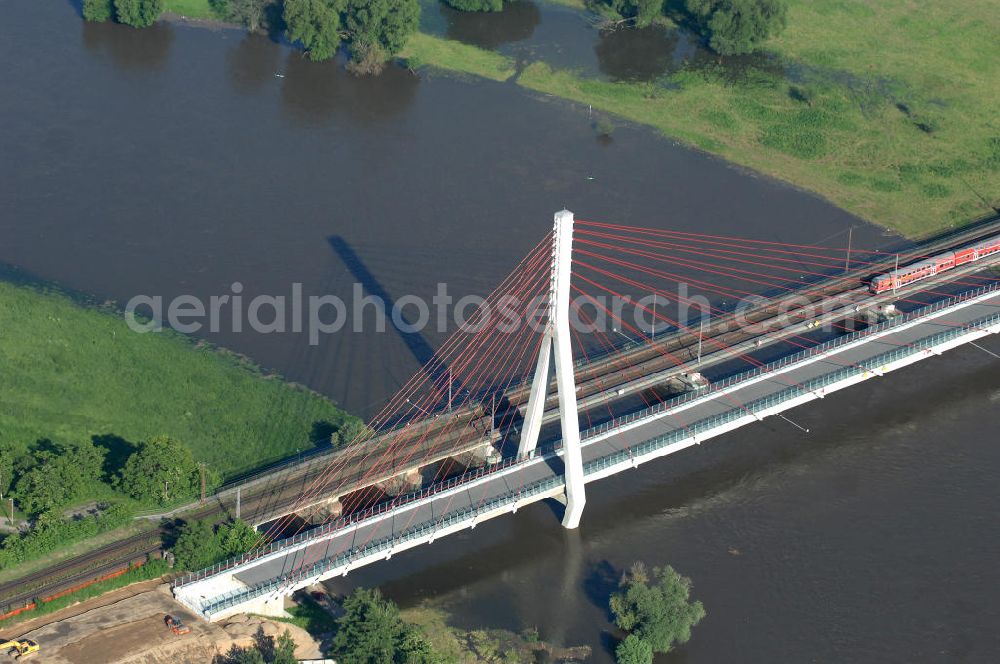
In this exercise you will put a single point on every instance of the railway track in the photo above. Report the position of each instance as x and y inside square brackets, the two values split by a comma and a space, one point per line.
[277, 491]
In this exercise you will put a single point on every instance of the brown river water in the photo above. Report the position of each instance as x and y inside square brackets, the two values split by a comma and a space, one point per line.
[178, 160]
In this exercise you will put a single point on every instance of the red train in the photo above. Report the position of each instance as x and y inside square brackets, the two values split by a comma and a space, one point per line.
[935, 264]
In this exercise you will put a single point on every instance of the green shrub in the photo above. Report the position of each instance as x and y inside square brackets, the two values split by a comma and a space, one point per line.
[50, 533]
[633, 650]
[476, 5]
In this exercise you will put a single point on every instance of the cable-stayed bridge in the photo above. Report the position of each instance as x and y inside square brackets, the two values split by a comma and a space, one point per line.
[485, 428]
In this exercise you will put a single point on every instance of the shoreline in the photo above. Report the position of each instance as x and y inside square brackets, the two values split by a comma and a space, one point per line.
[883, 166]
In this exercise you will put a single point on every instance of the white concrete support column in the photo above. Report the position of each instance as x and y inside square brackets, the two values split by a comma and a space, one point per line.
[536, 401]
[557, 334]
[562, 268]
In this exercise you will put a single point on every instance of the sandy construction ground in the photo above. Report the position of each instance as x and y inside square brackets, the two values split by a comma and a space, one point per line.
[128, 628]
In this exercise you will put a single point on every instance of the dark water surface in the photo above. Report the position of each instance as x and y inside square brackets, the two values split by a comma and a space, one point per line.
[180, 160]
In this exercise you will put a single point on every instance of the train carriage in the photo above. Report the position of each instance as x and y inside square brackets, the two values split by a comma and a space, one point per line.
[935, 265]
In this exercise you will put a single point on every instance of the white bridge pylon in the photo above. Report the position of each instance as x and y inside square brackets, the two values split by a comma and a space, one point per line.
[557, 336]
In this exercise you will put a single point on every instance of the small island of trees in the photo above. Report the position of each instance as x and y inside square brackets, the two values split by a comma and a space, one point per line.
[655, 610]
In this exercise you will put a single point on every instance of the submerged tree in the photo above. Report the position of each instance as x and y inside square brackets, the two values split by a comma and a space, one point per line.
[737, 27]
[656, 611]
[633, 650]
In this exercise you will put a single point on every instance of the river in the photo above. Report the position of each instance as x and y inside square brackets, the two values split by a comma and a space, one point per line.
[179, 160]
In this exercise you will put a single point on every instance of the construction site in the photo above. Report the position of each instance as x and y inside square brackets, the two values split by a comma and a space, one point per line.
[139, 624]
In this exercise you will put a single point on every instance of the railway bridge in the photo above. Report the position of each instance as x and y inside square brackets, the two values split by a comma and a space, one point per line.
[503, 417]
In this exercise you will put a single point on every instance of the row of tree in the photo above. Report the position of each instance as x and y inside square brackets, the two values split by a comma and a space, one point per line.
[137, 13]
[372, 30]
[729, 27]
[50, 475]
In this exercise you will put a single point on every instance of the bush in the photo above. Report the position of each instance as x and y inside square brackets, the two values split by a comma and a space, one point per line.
[138, 13]
[476, 5]
[55, 474]
[367, 59]
[98, 11]
[633, 650]
[50, 533]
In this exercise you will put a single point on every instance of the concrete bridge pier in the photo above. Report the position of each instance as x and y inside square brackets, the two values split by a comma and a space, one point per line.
[328, 510]
[268, 605]
[411, 480]
[480, 456]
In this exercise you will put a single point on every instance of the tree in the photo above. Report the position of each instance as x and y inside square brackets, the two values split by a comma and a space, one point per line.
[248, 13]
[315, 23]
[369, 630]
[237, 655]
[660, 613]
[476, 5]
[161, 470]
[138, 13]
[197, 547]
[236, 538]
[414, 648]
[284, 649]
[98, 10]
[387, 23]
[56, 474]
[201, 544]
[349, 430]
[736, 27]
[633, 650]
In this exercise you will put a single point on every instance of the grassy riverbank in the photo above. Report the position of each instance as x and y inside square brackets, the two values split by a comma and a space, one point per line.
[71, 372]
[887, 110]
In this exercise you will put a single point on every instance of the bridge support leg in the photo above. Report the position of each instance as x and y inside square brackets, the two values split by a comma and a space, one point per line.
[557, 339]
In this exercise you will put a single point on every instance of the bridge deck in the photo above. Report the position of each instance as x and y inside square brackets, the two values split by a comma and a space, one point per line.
[606, 450]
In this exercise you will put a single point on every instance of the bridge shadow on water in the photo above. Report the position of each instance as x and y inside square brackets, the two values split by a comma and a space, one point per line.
[414, 340]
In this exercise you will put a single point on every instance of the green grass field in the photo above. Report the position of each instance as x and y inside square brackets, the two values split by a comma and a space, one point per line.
[200, 9]
[888, 109]
[70, 372]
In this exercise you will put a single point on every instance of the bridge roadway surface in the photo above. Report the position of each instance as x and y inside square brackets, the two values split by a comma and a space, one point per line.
[509, 482]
